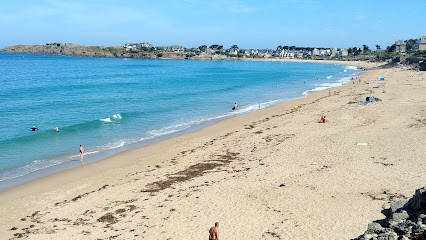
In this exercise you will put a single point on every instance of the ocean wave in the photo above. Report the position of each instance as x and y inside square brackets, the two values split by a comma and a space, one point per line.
[114, 145]
[329, 76]
[22, 170]
[323, 86]
[108, 119]
[352, 67]
[173, 128]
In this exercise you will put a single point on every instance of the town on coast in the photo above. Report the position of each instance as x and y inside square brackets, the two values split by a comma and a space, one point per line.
[409, 51]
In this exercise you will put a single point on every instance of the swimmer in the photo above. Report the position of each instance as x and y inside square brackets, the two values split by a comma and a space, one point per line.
[57, 129]
[235, 108]
[34, 129]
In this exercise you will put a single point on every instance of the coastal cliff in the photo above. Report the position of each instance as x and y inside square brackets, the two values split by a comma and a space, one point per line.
[95, 51]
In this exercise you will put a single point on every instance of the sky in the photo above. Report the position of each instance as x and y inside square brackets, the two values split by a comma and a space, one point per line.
[191, 23]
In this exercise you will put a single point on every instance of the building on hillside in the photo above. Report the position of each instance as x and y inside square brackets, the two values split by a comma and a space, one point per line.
[233, 51]
[420, 44]
[267, 55]
[333, 52]
[342, 52]
[137, 45]
[174, 48]
[325, 52]
[315, 52]
[400, 46]
[287, 53]
[299, 54]
[58, 44]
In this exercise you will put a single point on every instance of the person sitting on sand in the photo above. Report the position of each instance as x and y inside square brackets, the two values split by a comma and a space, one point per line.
[214, 232]
[34, 128]
[322, 120]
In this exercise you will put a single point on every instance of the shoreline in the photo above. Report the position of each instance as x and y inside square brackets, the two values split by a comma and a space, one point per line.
[39, 177]
[103, 154]
[237, 159]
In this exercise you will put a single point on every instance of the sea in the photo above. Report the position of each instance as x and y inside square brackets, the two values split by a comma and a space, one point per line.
[110, 105]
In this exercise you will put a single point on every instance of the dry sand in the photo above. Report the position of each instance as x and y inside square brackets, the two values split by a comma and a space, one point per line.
[230, 172]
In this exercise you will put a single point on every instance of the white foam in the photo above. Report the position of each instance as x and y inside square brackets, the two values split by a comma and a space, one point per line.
[352, 67]
[116, 116]
[323, 86]
[329, 76]
[344, 70]
[108, 119]
[27, 169]
[114, 145]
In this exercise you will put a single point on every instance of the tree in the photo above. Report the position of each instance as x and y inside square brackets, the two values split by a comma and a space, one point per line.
[377, 47]
[292, 47]
[356, 51]
[202, 48]
[220, 47]
[234, 46]
[214, 46]
[279, 48]
[391, 48]
[410, 43]
[365, 48]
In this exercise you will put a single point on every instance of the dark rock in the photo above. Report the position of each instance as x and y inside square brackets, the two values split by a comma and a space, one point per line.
[418, 201]
[374, 227]
[398, 217]
[397, 205]
[405, 219]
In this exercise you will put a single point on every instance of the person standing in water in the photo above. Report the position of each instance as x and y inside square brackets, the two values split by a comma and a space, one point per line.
[235, 108]
[81, 155]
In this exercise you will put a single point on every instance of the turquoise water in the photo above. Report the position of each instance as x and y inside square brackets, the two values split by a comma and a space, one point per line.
[106, 104]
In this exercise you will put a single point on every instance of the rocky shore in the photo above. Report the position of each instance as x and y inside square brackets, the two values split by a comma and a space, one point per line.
[108, 52]
[405, 219]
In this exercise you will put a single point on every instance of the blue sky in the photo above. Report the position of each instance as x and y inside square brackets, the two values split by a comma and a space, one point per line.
[191, 23]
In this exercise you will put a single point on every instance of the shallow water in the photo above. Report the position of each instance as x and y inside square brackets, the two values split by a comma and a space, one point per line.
[106, 104]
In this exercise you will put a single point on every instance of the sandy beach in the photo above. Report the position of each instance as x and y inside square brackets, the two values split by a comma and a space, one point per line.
[230, 173]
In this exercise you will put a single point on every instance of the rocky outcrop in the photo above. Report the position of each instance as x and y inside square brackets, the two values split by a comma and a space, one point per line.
[92, 51]
[405, 219]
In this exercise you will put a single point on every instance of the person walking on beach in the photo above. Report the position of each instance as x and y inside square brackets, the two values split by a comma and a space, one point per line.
[214, 232]
[81, 155]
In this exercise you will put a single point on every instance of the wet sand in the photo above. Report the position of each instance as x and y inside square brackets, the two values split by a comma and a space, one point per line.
[230, 172]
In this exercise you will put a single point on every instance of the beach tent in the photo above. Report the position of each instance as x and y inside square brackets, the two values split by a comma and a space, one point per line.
[382, 79]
